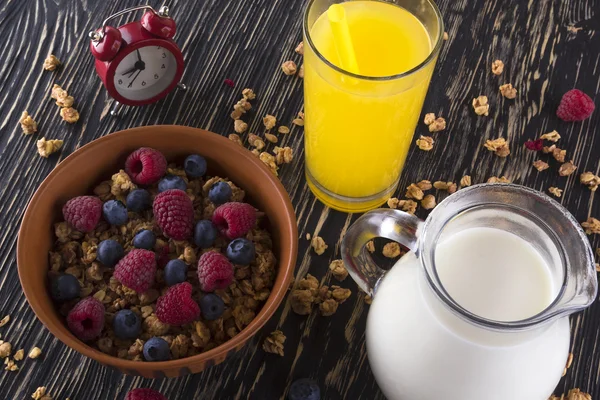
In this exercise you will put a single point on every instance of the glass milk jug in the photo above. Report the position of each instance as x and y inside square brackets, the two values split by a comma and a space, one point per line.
[478, 309]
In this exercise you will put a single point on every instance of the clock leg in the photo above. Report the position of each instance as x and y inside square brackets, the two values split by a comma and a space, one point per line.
[182, 86]
[115, 110]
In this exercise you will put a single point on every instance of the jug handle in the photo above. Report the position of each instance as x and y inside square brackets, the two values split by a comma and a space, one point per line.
[395, 225]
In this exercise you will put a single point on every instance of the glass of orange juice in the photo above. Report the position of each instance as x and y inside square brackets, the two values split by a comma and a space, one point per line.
[367, 67]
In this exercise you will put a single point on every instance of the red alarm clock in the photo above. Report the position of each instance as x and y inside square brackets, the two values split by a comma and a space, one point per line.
[139, 63]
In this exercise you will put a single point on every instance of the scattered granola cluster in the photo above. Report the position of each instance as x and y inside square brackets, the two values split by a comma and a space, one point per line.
[591, 180]
[449, 186]
[540, 165]
[68, 113]
[591, 226]
[308, 292]
[414, 192]
[208, 313]
[425, 143]
[51, 63]
[551, 136]
[498, 146]
[465, 181]
[28, 124]
[568, 365]
[507, 90]
[408, 206]
[281, 155]
[555, 191]
[274, 343]
[428, 202]
[481, 106]
[6, 351]
[338, 270]
[566, 168]
[41, 394]
[434, 124]
[318, 245]
[497, 67]
[65, 102]
[391, 250]
[299, 120]
[417, 191]
[290, 68]
[573, 394]
[47, 147]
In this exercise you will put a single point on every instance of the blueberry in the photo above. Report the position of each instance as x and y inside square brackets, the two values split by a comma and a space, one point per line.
[156, 349]
[220, 193]
[171, 182]
[109, 252]
[304, 389]
[127, 324]
[205, 234]
[240, 251]
[144, 239]
[138, 200]
[212, 306]
[64, 287]
[115, 212]
[175, 272]
[195, 166]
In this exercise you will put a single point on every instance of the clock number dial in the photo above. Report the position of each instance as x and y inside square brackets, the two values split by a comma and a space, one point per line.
[145, 73]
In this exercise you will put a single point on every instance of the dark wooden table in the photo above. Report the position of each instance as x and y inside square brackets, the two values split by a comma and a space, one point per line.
[549, 47]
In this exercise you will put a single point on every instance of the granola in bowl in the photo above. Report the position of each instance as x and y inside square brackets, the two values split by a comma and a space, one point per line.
[161, 261]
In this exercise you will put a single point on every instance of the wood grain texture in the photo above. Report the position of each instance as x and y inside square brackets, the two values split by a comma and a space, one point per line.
[246, 41]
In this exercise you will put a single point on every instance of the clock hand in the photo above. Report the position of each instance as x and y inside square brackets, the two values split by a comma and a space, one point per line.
[139, 55]
[133, 72]
[130, 71]
[134, 78]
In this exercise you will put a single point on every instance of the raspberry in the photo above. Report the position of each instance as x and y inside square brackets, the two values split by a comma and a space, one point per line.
[214, 271]
[176, 306]
[137, 270]
[86, 319]
[83, 212]
[174, 214]
[234, 220]
[575, 106]
[535, 145]
[144, 394]
[146, 166]
[162, 256]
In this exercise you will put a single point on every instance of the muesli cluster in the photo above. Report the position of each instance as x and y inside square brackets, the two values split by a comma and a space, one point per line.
[281, 155]
[161, 261]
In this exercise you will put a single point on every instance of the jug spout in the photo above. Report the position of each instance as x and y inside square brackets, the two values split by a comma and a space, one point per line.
[580, 287]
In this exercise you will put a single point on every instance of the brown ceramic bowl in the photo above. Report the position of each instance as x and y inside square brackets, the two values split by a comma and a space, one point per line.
[81, 171]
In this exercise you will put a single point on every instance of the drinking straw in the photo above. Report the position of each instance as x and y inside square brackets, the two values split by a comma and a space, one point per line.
[343, 41]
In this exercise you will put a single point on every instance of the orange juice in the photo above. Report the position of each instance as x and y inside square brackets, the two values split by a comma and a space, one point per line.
[358, 129]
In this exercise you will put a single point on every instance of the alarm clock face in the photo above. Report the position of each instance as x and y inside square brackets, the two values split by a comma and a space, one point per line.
[145, 72]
